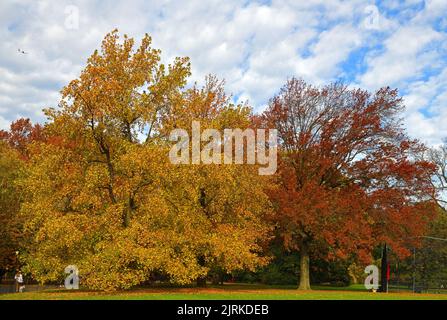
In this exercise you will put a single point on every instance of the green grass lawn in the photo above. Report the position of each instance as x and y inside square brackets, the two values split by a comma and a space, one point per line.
[225, 292]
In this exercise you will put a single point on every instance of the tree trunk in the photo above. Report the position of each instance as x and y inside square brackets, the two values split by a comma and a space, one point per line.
[215, 279]
[201, 282]
[304, 267]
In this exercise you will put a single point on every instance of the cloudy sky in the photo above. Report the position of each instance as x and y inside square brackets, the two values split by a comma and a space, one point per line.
[254, 45]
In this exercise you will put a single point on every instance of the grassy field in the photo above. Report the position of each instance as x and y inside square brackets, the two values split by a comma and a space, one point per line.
[226, 292]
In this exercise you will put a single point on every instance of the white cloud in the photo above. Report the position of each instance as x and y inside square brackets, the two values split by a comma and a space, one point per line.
[333, 47]
[405, 56]
[429, 97]
[255, 46]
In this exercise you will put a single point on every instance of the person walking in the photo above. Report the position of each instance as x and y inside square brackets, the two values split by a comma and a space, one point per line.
[19, 282]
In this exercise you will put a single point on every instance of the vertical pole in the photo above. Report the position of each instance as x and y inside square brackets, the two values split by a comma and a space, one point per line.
[414, 270]
[384, 269]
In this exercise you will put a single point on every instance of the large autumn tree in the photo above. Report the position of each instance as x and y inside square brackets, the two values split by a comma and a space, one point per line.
[102, 194]
[10, 225]
[14, 145]
[231, 200]
[347, 179]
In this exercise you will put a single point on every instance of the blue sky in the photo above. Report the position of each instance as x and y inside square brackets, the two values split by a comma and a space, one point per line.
[254, 45]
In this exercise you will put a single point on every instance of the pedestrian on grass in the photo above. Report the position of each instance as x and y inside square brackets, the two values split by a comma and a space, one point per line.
[19, 282]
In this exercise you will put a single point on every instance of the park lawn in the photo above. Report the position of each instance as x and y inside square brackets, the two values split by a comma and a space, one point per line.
[226, 292]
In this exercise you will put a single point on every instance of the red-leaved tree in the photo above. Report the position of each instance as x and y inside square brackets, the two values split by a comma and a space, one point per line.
[347, 179]
[21, 133]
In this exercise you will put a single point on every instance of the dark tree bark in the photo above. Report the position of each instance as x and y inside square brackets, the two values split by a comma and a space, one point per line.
[2, 273]
[304, 283]
[201, 281]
